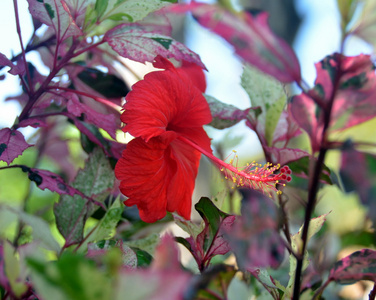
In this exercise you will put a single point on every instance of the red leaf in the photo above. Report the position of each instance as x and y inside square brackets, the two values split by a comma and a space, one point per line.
[254, 237]
[251, 36]
[18, 69]
[55, 13]
[360, 265]
[141, 45]
[12, 144]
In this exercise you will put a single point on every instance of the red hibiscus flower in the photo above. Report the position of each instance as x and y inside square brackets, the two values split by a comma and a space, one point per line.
[157, 170]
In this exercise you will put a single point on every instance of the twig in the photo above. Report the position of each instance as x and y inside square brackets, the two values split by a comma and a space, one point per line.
[314, 182]
[28, 86]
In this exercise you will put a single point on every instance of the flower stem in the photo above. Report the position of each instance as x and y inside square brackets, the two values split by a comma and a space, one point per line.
[253, 175]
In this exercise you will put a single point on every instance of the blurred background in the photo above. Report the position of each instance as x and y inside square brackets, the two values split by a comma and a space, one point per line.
[313, 30]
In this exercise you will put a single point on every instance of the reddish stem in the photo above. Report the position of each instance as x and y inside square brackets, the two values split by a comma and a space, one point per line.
[28, 85]
[99, 99]
[314, 182]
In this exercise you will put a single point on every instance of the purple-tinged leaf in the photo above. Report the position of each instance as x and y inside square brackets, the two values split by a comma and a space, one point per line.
[360, 265]
[349, 83]
[210, 241]
[55, 13]
[47, 180]
[56, 147]
[284, 155]
[358, 173]
[286, 130]
[141, 45]
[12, 144]
[78, 8]
[33, 122]
[303, 109]
[105, 121]
[225, 115]
[254, 238]
[251, 36]
[18, 69]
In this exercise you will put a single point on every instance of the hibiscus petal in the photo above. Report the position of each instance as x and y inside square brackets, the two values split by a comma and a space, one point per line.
[179, 194]
[164, 101]
[158, 176]
[144, 174]
[190, 70]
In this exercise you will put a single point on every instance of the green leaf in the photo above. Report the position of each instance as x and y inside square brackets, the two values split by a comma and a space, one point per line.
[364, 25]
[136, 10]
[94, 181]
[147, 244]
[12, 270]
[296, 244]
[269, 95]
[212, 216]
[107, 225]
[117, 253]
[219, 278]
[72, 277]
[273, 114]
[144, 259]
[100, 7]
[262, 89]
[41, 229]
[237, 290]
